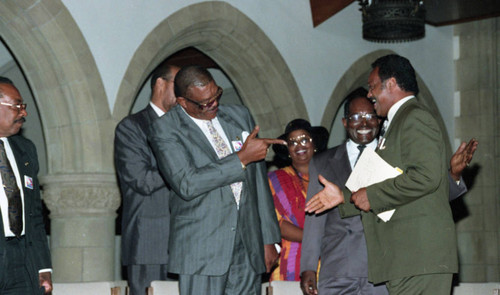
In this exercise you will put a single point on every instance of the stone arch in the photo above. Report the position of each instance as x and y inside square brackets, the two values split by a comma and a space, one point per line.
[63, 76]
[242, 50]
[357, 75]
[80, 188]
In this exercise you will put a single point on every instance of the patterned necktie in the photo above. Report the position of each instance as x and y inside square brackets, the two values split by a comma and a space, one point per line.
[12, 192]
[361, 148]
[384, 128]
[222, 151]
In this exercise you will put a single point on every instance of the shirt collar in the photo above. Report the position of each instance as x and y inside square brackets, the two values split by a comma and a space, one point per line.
[395, 107]
[157, 110]
[352, 145]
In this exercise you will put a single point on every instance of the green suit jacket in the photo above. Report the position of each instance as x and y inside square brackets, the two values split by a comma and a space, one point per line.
[204, 216]
[420, 237]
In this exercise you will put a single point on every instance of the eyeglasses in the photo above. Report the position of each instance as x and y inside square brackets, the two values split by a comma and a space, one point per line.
[356, 118]
[210, 103]
[303, 140]
[19, 106]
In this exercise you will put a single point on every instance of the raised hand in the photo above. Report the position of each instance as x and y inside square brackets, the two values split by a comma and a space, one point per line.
[462, 157]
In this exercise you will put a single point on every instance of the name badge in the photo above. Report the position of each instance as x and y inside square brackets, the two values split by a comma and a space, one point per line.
[237, 145]
[28, 182]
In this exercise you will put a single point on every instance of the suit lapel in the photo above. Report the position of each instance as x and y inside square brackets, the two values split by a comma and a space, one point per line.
[399, 114]
[191, 130]
[232, 129]
[150, 114]
[341, 165]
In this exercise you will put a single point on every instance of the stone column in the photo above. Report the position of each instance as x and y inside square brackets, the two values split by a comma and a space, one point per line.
[477, 91]
[82, 212]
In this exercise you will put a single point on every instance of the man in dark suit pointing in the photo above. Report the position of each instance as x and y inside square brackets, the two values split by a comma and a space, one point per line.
[25, 259]
[146, 215]
[223, 225]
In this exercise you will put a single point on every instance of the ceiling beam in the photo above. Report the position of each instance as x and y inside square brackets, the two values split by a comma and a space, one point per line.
[324, 9]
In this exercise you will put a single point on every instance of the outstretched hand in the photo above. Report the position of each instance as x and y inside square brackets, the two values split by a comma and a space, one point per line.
[255, 149]
[327, 198]
[462, 157]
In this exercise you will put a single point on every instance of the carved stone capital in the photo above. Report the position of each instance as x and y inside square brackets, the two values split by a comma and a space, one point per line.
[80, 194]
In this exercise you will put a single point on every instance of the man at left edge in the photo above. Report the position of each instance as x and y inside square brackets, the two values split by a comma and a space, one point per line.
[26, 256]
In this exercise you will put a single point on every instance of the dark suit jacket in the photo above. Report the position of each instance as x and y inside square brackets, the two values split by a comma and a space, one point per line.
[37, 248]
[420, 237]
[205, 219]
[146, 215]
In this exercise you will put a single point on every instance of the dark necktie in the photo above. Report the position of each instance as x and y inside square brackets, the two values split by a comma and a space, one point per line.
[12, 192]
[361, 148]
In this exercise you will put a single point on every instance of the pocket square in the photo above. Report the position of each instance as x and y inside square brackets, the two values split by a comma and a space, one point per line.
[244, 135]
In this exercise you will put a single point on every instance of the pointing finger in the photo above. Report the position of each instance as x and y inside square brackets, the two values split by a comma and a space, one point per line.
[270, 141]
[254, 132]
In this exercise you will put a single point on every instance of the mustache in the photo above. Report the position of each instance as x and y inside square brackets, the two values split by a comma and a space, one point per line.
[20, 120]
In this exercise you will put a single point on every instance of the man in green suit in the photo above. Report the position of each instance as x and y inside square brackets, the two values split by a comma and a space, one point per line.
[223, 224]
[415, 252]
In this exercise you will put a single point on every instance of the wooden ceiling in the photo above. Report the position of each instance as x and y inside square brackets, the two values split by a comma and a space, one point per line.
[191, 56]
[438, 12]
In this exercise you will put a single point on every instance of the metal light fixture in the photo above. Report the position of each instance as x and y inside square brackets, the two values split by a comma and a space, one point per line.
[393, 20]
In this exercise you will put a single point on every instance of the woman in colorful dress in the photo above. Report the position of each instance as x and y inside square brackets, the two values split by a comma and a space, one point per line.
[289, 189]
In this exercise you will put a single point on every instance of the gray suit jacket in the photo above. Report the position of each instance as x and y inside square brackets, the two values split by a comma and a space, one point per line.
[37, 248]
[340, 242]
[205, 219]
[146, 216]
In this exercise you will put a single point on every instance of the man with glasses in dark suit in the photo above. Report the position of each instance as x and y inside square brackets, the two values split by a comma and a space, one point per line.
[26, 265]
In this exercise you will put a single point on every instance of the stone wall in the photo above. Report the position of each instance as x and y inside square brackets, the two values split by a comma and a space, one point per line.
[477, 53]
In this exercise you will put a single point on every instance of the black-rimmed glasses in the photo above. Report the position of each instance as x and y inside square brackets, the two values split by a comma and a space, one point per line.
[209, 103]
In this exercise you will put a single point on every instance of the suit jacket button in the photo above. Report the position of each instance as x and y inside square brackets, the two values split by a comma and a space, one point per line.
[233, 229]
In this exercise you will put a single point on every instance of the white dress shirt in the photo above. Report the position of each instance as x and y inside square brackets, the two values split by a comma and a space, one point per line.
[353, 151]
[394, 109]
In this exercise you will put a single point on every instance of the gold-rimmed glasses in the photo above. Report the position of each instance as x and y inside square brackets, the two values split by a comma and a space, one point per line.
[18, 106]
